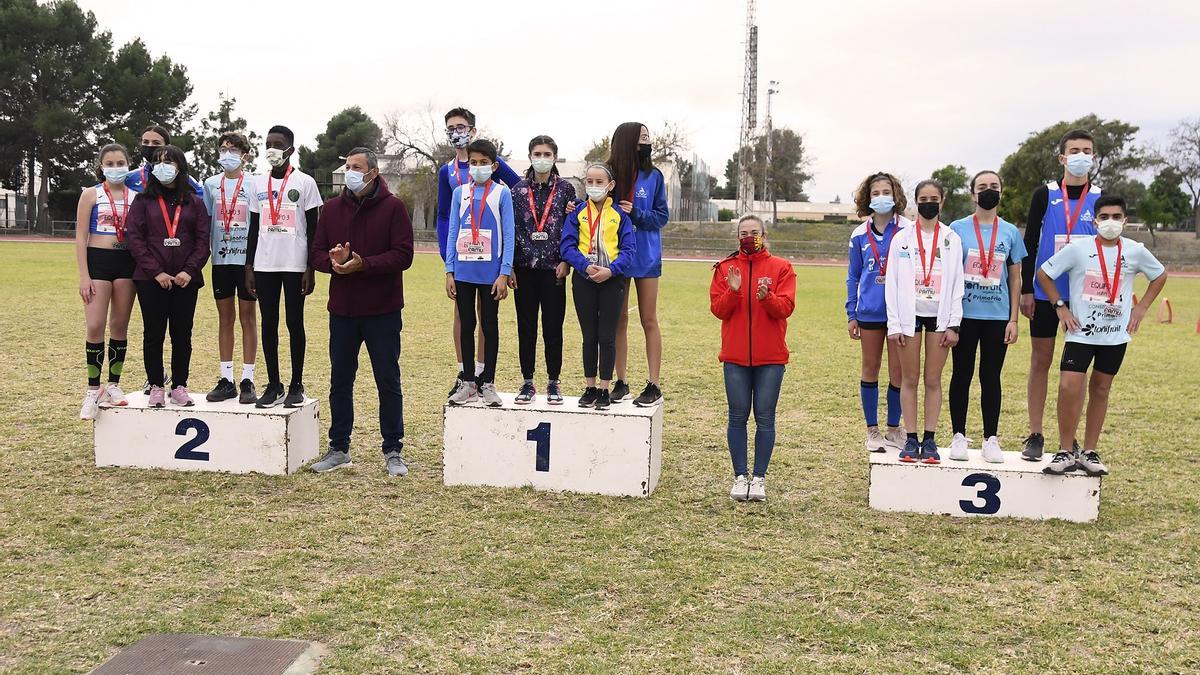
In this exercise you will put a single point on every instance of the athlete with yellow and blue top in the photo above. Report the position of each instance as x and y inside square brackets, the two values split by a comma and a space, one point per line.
[598, 241]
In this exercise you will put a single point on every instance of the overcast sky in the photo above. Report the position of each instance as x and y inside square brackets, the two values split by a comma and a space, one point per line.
[873, 85]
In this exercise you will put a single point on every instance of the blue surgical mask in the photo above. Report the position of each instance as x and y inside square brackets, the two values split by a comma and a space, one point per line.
[229, 160]
[116, 174]
[1079, 164]
[354, 180]
[165, 173]
[883, 204]
[481, 174]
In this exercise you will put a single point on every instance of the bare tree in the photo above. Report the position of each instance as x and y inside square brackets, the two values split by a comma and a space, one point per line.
[1183, 156]
[671, 143]
[415, 143]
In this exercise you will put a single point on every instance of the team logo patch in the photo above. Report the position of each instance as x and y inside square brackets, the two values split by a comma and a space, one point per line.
[294, 195]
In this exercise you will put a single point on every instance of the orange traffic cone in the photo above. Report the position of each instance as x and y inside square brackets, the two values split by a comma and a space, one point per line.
[1165, 314]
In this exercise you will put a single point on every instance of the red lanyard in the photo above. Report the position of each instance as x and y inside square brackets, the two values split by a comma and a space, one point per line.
[170, 225]
[457, 172]
[986, 262]
[276, 209]
[928, 273]
[227, 214]
[880, 263]
[1113, 287]
[118, 221]
[541, 222]
[475, 220]
[1072, 220]
[593, 224]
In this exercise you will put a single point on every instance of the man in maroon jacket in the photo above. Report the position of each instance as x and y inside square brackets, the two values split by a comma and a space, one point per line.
[364, 240]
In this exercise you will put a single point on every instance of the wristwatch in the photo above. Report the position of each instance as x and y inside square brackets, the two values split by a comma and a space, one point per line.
[1059, 303]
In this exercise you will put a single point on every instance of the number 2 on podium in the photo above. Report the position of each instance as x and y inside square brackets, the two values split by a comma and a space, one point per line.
[188, 449]
[541, 434]
[989, 493]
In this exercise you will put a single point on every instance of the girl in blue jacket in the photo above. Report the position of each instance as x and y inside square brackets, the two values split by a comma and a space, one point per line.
[641, 193]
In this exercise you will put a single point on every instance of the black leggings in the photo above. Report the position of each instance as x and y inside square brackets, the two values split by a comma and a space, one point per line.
[540, 289]
[489, 310]
[173, 308]
[269, 285]
[598, 306]
[987, 336]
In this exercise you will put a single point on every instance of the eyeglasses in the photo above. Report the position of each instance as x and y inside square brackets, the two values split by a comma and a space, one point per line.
[457, 129]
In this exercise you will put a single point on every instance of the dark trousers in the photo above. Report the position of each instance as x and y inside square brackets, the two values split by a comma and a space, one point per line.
[489, 310]
[540, 290]
[754, 388]
[381, 333]
[167, 309]
[598, 306]
[986, 337]
[269, 286]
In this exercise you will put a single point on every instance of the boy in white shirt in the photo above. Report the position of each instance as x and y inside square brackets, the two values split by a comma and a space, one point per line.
[1098, 324]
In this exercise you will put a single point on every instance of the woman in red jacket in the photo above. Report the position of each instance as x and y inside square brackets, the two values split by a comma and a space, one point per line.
[753, 293]
[168, 237]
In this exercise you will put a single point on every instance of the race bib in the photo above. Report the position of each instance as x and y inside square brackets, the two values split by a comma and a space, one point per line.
[105, 222]
[1095, 288]
[472, 250]
[974, 272]
[286, 225]
[934, 289]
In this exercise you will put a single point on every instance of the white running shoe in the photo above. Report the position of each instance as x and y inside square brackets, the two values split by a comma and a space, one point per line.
[91, 404]
[490, 398]
[958, 448]
[467, 392]
[758, 489]
[875, 441]
[112, 395]
[992, 452]
[894, 438]
[741, 486]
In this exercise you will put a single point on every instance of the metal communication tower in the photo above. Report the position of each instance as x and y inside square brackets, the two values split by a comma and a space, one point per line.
[768, 186]
[745, 191]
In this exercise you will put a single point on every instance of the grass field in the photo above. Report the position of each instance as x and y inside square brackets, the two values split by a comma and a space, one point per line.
[400, 575]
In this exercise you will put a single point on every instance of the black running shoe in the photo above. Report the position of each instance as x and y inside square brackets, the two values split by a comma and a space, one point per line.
[1035, 445]
[589, 397]
[526, 395]
[553, 393]
[295, 396]
[222, 392]
[620, 391]
[603, 400]
[651, 395]
[271, 396]
[248, 394]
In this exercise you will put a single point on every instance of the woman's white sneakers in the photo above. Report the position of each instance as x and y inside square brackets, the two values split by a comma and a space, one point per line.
[111, 394]
[749, 490]
[992, 452]
[740, 489]
[875, 441]
[958, 448]
[91, 404]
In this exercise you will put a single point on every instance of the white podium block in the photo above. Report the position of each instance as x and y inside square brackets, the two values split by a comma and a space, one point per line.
[225, 436]
[1016, 488]
[554, 447]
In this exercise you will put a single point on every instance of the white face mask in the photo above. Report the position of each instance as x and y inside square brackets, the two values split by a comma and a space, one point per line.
[1079, 164]
[597, 193]
[883, 204]
[116, 174]
[165, 173]
[1110, 229]
[542, 164]
[229, 160]
[481, 174]
[275, 157]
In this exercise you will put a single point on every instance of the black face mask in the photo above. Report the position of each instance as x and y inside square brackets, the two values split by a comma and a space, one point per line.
[643, 151]
[149, 152]
[929, 210]
[988, 199]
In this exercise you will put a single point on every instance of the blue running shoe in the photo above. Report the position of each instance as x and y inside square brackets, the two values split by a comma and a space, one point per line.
[911, 453]
[929, 453]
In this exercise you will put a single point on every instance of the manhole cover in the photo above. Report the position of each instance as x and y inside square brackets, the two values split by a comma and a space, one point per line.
[184, 654]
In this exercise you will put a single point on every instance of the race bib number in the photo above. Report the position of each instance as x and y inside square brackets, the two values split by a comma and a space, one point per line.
[934, 289]
[285, 225]
[1095, 288]
[974, 272]
[474, 250]
[106, 223]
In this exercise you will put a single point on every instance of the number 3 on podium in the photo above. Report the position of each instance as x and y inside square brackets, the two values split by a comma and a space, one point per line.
[989, 492]
[541, 435]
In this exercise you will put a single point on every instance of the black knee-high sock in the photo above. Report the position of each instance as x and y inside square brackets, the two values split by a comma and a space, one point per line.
[95, 361]
[116, 359]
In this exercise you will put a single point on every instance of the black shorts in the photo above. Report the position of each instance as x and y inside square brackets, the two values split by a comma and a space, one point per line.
[229, 278]
[928, 323]
[1044, 323]
[872, 325]
[110, 264]
[1077, 356]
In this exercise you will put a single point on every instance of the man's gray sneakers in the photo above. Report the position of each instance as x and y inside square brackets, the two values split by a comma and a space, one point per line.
[490, 398]
[395, 464]
[1090, 463]
[334, 459]
[466, 393]
[1064, 461]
